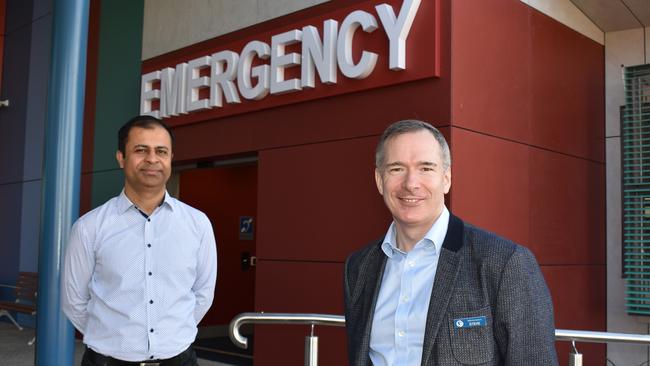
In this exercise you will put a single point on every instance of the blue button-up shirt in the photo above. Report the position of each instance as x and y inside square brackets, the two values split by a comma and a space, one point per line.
[401, 311]
[137, 286]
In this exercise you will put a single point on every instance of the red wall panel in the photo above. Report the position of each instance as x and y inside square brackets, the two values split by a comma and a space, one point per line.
[567, 75]
[579, 301]
[523, 76]
[319, 202]
[567, 209]
[501, 202]
[277, 345]
[224, 194]
[342, 117]
[551, 203]
[491, 62]
[300, 287]
[329, 200]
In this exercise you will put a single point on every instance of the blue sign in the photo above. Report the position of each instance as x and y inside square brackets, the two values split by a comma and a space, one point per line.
[477, 321]
[246, 227]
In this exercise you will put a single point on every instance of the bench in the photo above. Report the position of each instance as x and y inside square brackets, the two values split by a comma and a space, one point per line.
[25, 297]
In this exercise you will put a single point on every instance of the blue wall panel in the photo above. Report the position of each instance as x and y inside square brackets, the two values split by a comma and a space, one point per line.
[41, 8]
[22, 124]
[30, 225]
[39, 66]
[19, 15]
[11, 198]
[12, 118]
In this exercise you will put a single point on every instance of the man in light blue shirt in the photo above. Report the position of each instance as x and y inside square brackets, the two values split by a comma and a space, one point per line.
[404, 296]
[436, 291]
[140, 270]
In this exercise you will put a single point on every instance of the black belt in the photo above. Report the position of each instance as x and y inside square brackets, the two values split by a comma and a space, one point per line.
[177, 360]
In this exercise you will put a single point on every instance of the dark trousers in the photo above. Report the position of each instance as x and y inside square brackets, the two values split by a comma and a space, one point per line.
[92, 358]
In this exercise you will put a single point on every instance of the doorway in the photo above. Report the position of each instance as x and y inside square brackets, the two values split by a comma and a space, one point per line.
[227, 194]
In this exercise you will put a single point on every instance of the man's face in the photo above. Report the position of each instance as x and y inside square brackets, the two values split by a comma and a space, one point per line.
[413, 180]
[147, 158]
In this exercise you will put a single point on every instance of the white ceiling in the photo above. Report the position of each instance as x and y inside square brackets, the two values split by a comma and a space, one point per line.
[616, 15]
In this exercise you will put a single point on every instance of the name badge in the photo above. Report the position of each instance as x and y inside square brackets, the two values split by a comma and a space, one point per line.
[477, 321]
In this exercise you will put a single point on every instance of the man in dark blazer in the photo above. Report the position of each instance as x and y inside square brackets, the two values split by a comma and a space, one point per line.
[436, 290]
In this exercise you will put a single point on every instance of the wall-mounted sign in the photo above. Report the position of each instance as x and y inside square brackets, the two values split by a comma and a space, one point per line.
[339, 50]
[246, 226]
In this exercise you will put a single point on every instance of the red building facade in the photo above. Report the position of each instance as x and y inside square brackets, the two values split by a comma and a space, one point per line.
[519, 97]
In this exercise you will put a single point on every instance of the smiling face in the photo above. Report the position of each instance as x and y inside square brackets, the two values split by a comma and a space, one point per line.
[146, 160]
[412, 180]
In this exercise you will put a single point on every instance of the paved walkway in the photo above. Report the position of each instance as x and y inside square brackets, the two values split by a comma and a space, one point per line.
[14, 350]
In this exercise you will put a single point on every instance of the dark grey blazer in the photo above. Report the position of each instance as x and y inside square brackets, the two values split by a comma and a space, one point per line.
[479, 274]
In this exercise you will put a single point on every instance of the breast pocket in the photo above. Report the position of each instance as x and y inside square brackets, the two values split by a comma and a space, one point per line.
[471, 338]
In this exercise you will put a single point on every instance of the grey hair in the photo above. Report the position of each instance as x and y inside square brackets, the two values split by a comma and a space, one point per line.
[406, 126]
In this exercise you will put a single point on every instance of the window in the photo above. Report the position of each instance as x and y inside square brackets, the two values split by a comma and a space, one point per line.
[635, 155]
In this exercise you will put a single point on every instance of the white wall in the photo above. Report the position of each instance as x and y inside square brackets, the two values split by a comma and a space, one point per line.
[172, 24]
[624, 48]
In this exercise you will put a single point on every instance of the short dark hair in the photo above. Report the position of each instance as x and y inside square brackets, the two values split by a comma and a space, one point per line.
[145, 121]
[411, 125]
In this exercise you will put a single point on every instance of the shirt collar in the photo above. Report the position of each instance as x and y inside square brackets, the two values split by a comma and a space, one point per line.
[432, 239]
[168, 201]
[124, 203]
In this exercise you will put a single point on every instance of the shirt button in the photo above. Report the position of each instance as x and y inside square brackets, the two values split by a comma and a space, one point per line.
[150, 273]
[411, 264]
[149, 220]
[148, 245]
[151, 330]
[401, 333]
[150, 301]
[405, 299]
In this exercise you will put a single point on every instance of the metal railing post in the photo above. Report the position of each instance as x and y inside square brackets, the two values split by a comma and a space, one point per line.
[311, 349]
[575, 357]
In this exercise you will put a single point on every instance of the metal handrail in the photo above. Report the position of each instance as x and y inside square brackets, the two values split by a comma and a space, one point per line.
[311, 342]
[600, 337]
[278, 318]
[339, 321]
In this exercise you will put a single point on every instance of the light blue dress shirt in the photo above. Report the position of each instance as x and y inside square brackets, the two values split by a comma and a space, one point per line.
[399, 321]
[136, 287]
